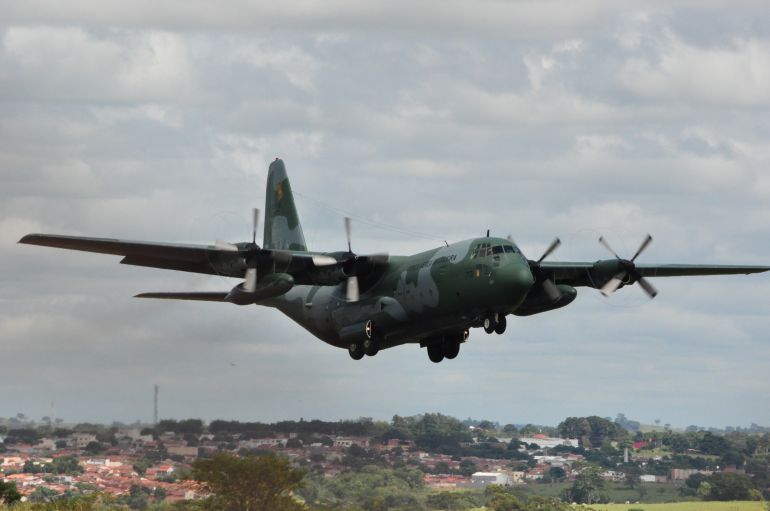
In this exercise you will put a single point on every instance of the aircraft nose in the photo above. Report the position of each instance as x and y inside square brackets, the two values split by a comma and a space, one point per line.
[519, 277]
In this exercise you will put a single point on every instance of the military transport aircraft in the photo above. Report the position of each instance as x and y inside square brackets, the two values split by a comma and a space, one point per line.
[366, 303]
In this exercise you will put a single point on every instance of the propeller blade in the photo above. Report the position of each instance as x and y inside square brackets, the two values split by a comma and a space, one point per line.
[648, 288]
[223, 245]
[553, 246]
[255, 225]
[352, 289]
[348, 231]
[251, 280]
[608, 247]
[551, 290]
[643, 246]
[613, 284]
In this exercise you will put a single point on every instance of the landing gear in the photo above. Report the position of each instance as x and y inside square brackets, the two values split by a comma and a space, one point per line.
[495, 322]
[451, 349]
[436, 352]
[371, 346]
[445, 346]
[501, 324]
[489, 325]
[356, 351]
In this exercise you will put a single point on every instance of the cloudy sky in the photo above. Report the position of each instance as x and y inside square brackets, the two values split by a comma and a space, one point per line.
[423, 122]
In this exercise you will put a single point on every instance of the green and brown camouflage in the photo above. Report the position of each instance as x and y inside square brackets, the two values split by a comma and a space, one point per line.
[367, 303]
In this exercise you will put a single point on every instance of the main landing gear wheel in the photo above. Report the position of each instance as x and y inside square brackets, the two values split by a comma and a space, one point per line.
[436, 353]
[356, 351]
[489, 326]
[371, 346]
[501, 324]
[451, 349]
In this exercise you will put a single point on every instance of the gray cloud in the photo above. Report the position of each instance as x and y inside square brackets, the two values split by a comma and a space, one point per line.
[423, 123]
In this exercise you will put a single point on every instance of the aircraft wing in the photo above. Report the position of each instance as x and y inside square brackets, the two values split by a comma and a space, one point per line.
[169, 256]
[589, 274]
[208, 259]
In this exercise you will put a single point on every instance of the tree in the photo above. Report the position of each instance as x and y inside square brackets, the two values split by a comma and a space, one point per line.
[249, 483]
[510, 429]
[500, 500]
[159, 494]
[730, 486]
[94, 448]
[557, 473]
[8, 493]
[632, 476]
[43, 494]
[449, 501]
[442, 467]
[294, 443]
[67, 465]
[588, 488]
[467, 467]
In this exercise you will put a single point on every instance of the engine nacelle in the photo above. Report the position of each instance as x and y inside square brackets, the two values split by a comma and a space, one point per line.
[538, 302]
[272, 285]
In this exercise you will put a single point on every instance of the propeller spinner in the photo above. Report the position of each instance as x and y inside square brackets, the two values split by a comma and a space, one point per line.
[628, 269]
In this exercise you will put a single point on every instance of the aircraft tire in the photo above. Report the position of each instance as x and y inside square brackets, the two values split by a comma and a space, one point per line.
[451, 349]
[435, 353]
[489, 326]
[500, 326]
[356, 351]
[371, 346]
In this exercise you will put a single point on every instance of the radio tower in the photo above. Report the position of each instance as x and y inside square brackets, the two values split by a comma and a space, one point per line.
[155, 415]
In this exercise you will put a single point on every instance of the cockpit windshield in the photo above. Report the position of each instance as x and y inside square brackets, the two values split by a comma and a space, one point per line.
[486, 249]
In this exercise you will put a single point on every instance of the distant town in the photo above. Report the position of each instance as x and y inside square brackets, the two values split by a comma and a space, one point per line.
[49, 458]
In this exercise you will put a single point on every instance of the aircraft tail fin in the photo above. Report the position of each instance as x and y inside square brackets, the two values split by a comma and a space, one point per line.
[282, 228]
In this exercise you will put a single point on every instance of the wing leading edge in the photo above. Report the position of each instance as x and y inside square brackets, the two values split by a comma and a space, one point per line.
[168, 256]
[593, 274]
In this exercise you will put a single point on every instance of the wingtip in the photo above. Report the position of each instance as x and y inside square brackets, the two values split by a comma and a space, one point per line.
[27, 238]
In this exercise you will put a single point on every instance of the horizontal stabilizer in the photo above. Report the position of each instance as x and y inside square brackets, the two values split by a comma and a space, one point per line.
[215, 296]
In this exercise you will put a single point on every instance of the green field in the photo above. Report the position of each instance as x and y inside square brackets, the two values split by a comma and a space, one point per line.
[617, 492]
[685, 506]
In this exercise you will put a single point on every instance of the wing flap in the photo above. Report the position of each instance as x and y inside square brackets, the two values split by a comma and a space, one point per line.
[172, 264]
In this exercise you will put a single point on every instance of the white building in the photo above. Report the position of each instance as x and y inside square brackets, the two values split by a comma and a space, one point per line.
[548, 442]
[481, 479]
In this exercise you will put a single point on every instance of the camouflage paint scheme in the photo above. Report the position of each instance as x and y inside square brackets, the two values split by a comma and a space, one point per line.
[432, 298]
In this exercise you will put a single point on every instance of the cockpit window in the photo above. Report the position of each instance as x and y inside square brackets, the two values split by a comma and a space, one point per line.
[497, 249]
[509, 249]
[481, 250]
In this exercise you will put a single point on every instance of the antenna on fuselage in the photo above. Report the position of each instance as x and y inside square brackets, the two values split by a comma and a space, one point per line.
[487, 233]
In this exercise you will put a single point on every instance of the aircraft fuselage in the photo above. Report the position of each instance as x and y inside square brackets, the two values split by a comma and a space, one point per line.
[444, 290]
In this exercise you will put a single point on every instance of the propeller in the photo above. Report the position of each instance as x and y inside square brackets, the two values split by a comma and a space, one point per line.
[628, 268]
[549, 287]
[351, 290]
[250, 284]
[354, 262]
[249, 253]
